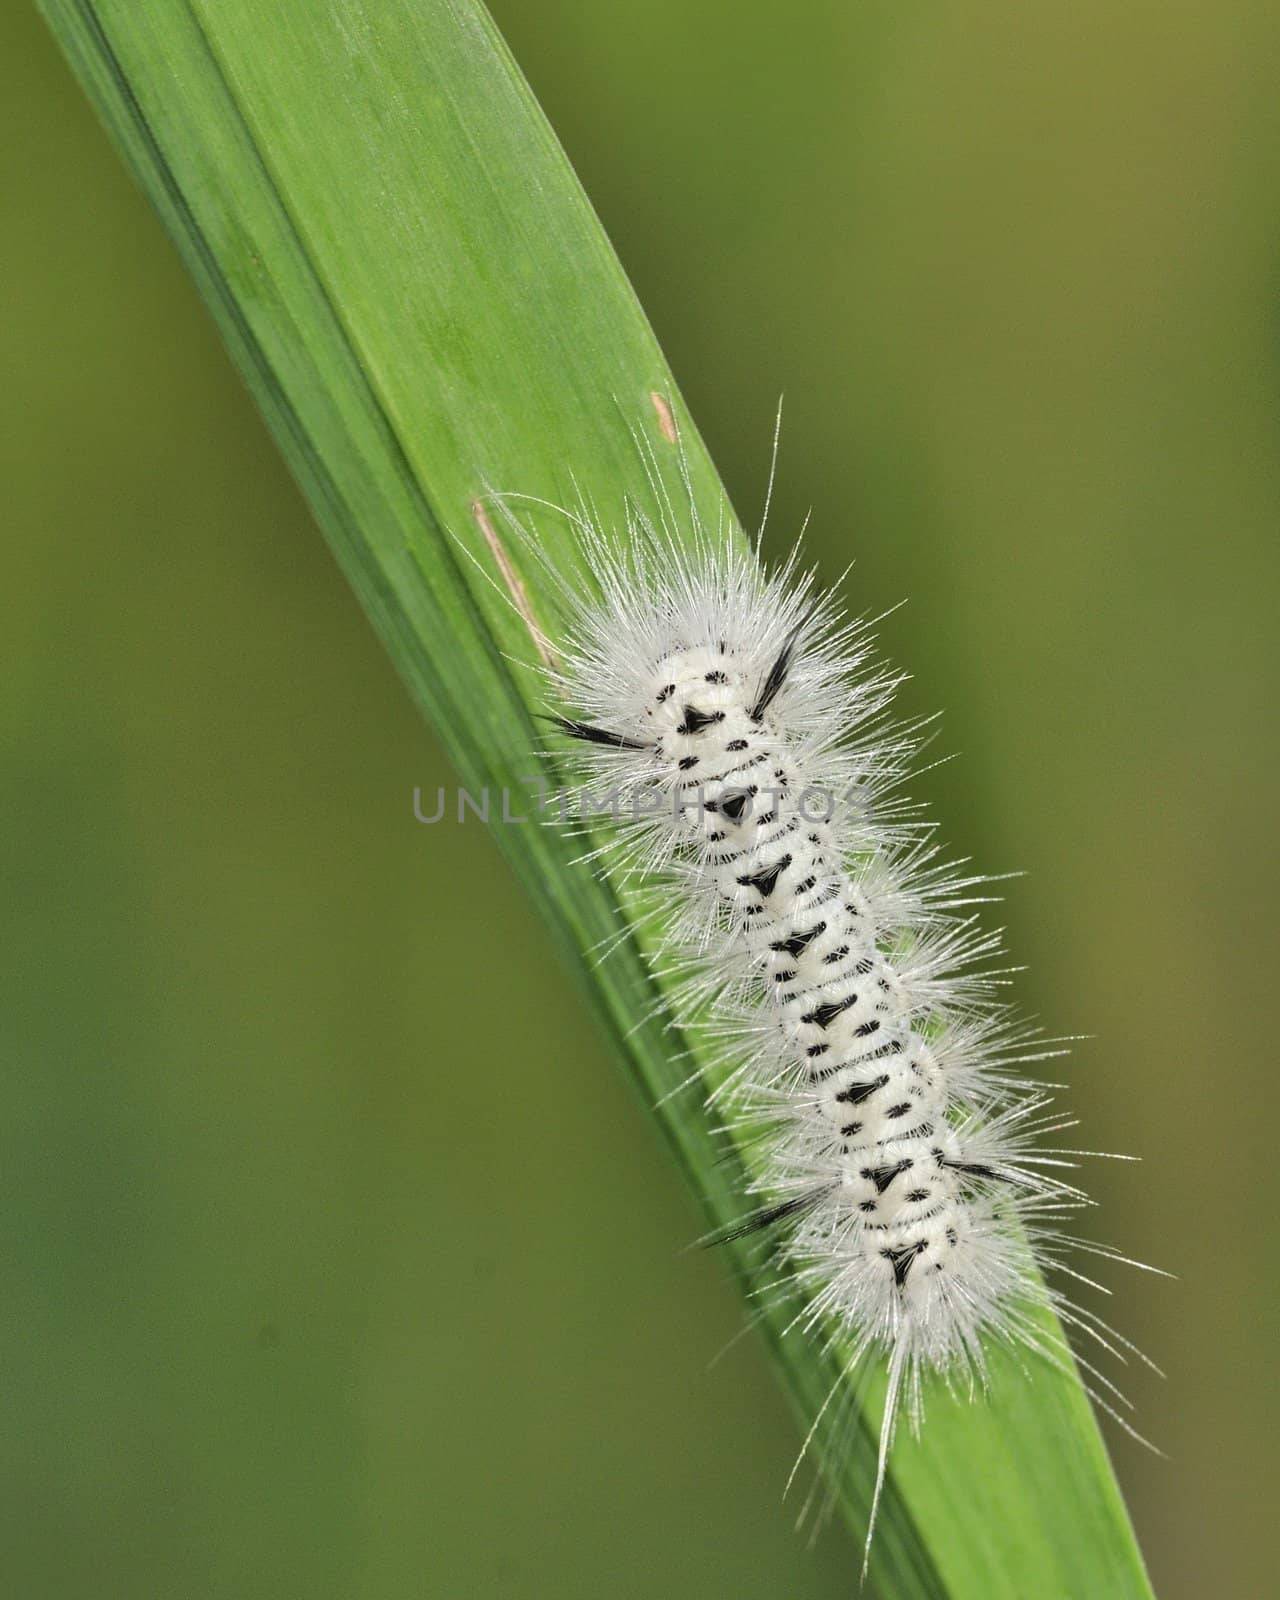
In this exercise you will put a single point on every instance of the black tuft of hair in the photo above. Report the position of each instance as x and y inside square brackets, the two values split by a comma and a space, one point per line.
[776, 677]
[592, 735]
[764, 1218]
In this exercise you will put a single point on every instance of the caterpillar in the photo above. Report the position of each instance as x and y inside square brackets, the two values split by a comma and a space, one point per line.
[741, 729]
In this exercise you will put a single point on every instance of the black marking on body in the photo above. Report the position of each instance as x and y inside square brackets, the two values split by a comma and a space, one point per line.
[695, 721]
[856, 1093]
[733, 805]
[797, 943]
[766, 880]
[878, 1054]
[825, 1014]
[882, 1177]
[736, 744]
[903, 1258]
[745, 766]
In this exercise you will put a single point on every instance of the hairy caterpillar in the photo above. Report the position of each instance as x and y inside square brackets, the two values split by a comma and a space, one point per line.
[739, 727]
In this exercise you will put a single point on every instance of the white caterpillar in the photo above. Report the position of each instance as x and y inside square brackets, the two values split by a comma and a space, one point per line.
[739, 729]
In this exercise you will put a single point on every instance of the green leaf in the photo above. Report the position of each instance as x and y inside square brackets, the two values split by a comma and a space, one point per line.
[423, 303]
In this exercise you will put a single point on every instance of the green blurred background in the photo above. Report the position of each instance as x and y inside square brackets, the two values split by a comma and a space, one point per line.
[281, 1317]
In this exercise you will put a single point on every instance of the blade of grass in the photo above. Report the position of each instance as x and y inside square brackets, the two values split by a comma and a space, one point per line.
[423, 303]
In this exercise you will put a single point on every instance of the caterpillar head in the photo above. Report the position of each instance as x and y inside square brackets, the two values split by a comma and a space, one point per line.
[694, 691]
